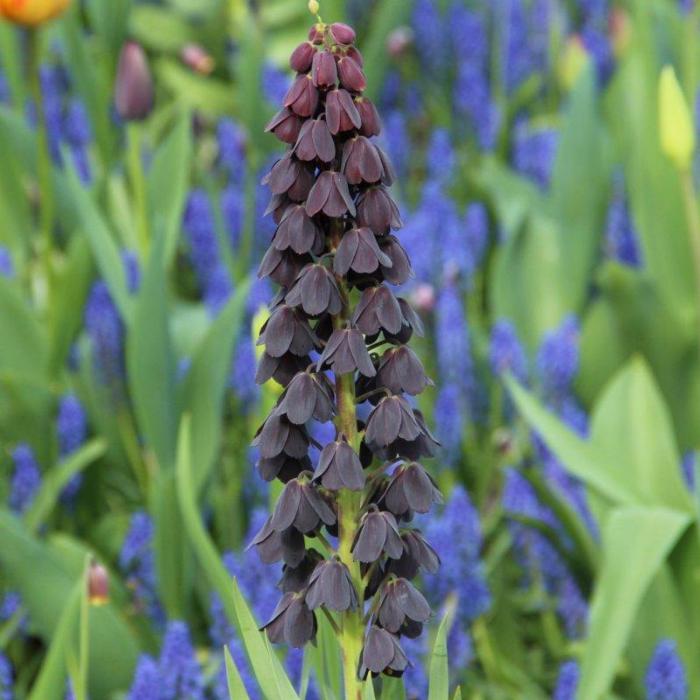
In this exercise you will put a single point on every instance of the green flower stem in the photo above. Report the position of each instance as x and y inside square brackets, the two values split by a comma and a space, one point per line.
[134, 137]
[81, 689]
[44, 164]
[693, 217]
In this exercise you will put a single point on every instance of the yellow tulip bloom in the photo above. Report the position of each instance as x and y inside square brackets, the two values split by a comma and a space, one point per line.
[31, 12]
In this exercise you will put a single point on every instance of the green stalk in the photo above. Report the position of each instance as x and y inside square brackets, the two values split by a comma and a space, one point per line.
[82, 681]
[138, 185]
[693, 217]
[44, 164]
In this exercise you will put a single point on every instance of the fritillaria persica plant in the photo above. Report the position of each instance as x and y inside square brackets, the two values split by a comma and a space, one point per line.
[336, 340]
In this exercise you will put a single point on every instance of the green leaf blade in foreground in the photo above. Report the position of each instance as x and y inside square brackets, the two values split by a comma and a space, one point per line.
[439, 670]
[236, 689]
[271, 678]
[636, 541]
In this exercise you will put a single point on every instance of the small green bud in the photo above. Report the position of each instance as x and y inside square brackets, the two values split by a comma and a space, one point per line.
[314, 7]
[675, 122]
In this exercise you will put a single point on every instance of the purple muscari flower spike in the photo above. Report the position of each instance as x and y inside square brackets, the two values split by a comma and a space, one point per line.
[69, 694]
[260, 295]
[665, 678]
[26, 479]
[450, 414]
[418, 245]
[518, 63]
[558, 357]
[686, 6]
[132, 270]
[6, 679]
[275, 83]
[106, 332]
[147, 683]
[456, 537]
[391, 89]
[476, 223]
[415, 677]
[395, 137]
[242, 377]
[572, 608]
[232, 149]
[688, 469]
[621, 240]
[460, 648]
[294, 664]
[4, 89]
[567, 681]
[78, 134]
[218, 289]
[181, 676]
[137, 564]
[534, 151]
[597, 43]
[429, 30]
[506, 352]
[52, 88]
[233, 212]
[7, 268]
[440, 157]
[10, 604]
[200, 230]
[71, 426]
[452, 339]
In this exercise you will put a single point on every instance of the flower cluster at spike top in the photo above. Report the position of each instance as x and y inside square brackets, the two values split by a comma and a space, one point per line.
[335, 340]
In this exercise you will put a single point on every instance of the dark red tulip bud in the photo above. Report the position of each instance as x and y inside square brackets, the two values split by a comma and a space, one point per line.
[351, 76]
[342, 33]
[98, 584]
[302, 56]
[324, 70]
[371, 125]
[302, 97]
[133, 92]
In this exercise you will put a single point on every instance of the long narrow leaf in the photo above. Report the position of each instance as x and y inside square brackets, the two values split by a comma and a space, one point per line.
[439, 671]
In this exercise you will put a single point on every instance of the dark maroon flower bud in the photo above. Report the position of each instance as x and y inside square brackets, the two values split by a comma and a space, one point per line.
[316, 291]
[298, 231]
[301, 506]
[296, 579]
[302, 97]
[400, 270]
[292, 622]
[315, 142]
[287, 331]
[277, 206]
[282, 467]
[371, 124]
[378, 533]
[133, 91]
[391, 419]
[281, 369]
[342, 33]
[339, 467]
[341, 112]
[354, 53]
[307, 396]
[359, 251]
[282, 266]
[98, 584]
[330, 194]
[376, 209]
[382, 653]
[316, 33]
[378, 309]
[330, 585]
[285, 125]
[401, 602]
[284, 174]
[278, 435]
[411, 489]
[361, 161]
[324, 70]
[302, 56]
[351, 76]
[417, 554]
[273, 546]
[401, 371]
[346, 352]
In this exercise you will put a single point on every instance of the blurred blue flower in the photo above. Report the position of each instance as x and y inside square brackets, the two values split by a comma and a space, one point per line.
[440, 157]
[200, 231]
[71, 427]
[106, 332]
[572, 608]
[396, 139]
[430, 35]
[597, 43]
[688, 469]
[558, 357]
[233, 212]
[147, 683]
[77, 132]
[506, 351]
[232, 149]
[181, 676]
[7, 268]
[242, 377]
[6, 679]
[665, 677]
[621, 240]
[136, 562]
[519, 50]
[239, 657]
[132, 270]
[456, 536]
[567, 681]
[275, 83]
[26, 479]
[452, 339]
[450, 414]
[534, 152]
[218, 289]
[415, 677]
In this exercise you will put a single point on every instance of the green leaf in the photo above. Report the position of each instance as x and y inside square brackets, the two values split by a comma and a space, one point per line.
[635, 543]
[101, 240]
[207, 380]
[458, 694]
[56, 479]
[168, 180]
[151, 363]
[236, 689]
[266, 666]
[368, 691]
[439, 671]
[110, 20]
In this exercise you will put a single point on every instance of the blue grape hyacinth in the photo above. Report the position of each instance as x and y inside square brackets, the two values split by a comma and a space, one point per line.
[181, 675]
[71, 427]
[558, 357]
[567, 681]
[136, 561]
[6, 679]
[507, 353]
[26, 479]
[147, 681]
[665, 678]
